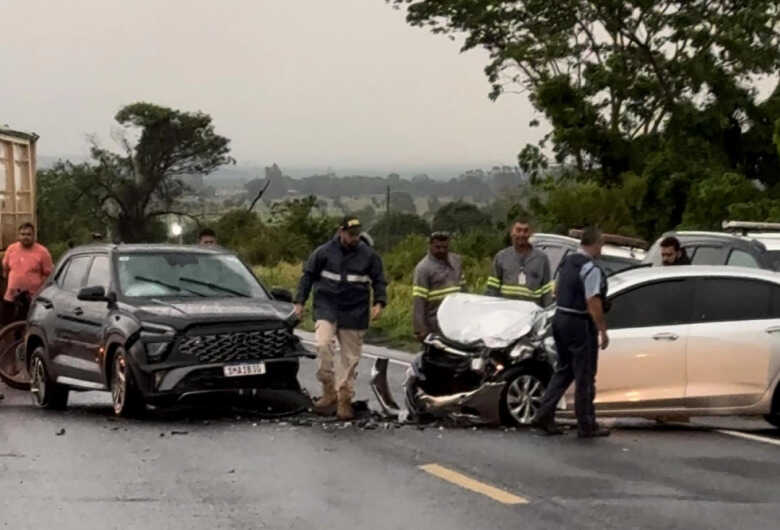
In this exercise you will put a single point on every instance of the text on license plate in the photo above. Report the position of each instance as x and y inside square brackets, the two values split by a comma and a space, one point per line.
[237, 370]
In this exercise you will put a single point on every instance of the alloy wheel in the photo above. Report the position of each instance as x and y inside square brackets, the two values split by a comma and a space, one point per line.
[119, 383]
[524, 397]
[38, 381]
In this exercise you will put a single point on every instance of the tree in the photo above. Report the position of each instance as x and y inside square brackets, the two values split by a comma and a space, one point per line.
[460, 217]
[611, 74]
[401, 201]
[142, 184]
[390, 229]
[66, 209]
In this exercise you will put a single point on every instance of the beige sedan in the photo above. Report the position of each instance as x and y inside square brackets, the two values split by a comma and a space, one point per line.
[691, 341]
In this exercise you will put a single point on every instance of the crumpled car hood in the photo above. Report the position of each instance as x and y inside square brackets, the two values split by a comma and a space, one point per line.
[467, 318]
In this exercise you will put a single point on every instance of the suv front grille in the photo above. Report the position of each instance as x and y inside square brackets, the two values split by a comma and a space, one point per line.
[237, 346]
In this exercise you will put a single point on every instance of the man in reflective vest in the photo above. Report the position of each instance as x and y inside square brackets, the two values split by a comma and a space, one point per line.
[343, 273]
[521, 272]
[437, 275]
[579, 328]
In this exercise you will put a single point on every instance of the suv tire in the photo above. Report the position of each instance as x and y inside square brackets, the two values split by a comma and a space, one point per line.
[126, 399]
[46, 393]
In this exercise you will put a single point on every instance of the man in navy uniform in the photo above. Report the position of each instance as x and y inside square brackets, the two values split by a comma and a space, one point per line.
[579, 329]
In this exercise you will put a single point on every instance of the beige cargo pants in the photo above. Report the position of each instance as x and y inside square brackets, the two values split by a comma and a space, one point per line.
[343, 372]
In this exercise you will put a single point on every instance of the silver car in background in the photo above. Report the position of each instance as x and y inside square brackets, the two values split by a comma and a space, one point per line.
[691, 341]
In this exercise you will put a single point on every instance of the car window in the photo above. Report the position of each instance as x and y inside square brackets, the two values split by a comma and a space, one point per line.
[730, 299]
[655, 304]
[773, 257]
[555, 254]
[707, 256]
[740, 258]
[99, 273]
[615, 264]
[74, 276]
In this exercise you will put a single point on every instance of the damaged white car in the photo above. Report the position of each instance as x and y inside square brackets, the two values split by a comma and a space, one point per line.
[487, 370]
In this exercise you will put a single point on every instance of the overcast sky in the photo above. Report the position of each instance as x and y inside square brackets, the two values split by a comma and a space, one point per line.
[341, 83]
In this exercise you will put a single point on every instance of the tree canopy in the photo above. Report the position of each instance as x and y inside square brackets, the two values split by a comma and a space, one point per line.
[660, 91]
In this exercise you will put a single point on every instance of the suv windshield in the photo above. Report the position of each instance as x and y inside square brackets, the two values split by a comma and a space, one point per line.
[186, 274]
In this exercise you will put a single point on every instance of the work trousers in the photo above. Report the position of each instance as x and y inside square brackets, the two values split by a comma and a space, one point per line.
[342, 372]
[576, 340]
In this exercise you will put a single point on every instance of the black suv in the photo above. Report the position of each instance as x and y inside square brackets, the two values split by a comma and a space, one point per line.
[716, 248]
[158, 324]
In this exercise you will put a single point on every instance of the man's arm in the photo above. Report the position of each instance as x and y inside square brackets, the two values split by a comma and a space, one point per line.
[591, 278]
[493, 287]
[420, 292]
[379, 286]
[547, 284]
[311, 271]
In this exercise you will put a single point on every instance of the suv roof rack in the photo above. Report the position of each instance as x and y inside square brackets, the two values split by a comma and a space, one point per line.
[745, 226]
[614, 239]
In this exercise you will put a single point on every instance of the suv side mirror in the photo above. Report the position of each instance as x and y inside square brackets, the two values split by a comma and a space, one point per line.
[283, 295]
[93, 294]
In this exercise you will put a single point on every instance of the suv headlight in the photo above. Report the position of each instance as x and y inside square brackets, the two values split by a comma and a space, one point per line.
[156, 339]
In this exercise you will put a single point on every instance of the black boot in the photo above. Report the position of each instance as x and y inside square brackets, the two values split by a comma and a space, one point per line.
[595, 432]
[547, 426]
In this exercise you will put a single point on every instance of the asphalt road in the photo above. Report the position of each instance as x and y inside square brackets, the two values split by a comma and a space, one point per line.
[84, 469]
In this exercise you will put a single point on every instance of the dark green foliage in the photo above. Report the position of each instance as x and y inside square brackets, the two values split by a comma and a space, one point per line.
[460, 217]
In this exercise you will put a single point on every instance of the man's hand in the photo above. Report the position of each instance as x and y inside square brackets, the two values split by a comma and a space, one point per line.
[603, 339]
[376, 311]
[299, 311]
[420, 335]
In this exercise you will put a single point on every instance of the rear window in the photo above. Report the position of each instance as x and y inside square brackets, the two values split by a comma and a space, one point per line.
[773, 257]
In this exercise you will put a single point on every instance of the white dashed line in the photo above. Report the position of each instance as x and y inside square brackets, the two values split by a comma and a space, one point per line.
[754, 437]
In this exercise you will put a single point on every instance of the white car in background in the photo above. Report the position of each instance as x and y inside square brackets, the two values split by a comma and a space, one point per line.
[766, 233]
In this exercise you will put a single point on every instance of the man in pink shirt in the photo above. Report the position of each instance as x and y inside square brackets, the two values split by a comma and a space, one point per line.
[26, 266]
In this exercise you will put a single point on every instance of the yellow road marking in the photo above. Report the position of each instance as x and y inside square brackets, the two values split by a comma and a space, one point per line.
[476, 486]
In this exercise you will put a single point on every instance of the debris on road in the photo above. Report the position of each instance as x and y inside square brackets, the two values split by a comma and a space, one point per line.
[60, 432]
[179, 433]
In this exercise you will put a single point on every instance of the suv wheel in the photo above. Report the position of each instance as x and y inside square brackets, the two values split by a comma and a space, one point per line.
[124, 394]
[46, 393]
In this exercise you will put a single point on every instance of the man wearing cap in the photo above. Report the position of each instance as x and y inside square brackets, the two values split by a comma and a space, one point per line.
[343, 273]
[521, 272]
[437, 275]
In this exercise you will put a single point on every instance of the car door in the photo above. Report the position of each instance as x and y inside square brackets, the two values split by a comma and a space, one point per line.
[95, 314]
[72, 351]
[644, 365]
[732, 343]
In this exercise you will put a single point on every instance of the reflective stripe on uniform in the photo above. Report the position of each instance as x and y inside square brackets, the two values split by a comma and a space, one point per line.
[331, 276]
[493, 282]
[521, 290]
[352, 278]
[440, 294]
[420, 292]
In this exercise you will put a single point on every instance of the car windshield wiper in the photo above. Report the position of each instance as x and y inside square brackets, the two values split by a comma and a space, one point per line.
[215, 287]
[167, 285]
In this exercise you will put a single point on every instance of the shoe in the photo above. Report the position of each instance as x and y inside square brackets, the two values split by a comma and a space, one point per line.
[2, 396]
[548, 427]
[598, 432]
[326, 404]
[344, 410]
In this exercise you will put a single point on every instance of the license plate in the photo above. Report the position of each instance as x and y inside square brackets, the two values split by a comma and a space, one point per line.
[238, 370]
